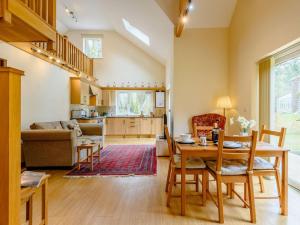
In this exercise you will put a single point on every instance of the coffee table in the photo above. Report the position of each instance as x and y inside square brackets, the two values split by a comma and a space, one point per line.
[89, 152]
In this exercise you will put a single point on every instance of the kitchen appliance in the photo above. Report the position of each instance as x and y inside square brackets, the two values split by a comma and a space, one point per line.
[77, 114]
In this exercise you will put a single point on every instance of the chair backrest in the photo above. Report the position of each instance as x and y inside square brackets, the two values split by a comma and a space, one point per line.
[207, 120]
[170, 144]
[201, 130]
[280, 134]
[236, 154]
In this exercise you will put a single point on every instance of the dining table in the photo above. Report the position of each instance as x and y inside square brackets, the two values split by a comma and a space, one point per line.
[263, 149]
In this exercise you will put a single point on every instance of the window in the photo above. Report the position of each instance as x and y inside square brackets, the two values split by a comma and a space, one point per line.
[92, 46]
[136, 32]
[134, 102]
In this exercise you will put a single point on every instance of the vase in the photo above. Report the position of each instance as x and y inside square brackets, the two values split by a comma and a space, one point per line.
[244, 132]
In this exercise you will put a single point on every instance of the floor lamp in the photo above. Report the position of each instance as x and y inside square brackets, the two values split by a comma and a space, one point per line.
[224, 103]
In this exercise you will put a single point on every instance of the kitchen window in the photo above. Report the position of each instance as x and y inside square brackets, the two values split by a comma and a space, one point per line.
[92, 46]
[134, 103]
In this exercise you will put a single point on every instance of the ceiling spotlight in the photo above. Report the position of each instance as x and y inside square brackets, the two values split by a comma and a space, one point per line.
[191, 7]
[39, 51]
[67, 10]
[184, 19]
[50, 57]
[57, 60]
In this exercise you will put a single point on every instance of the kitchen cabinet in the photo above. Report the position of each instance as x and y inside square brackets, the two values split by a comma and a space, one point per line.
[96, 98]
[146, 126]
[79, 92]
[108, 98]
[115, 126]
[134, 126]
[158, 126]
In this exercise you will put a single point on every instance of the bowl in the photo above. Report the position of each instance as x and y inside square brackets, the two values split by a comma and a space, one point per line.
[185, 137]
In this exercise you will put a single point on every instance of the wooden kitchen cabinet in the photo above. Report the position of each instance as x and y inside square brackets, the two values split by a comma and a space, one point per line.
[132, 126]
[115, 126]
[79, 92]
[96, 99]
[158, 126]
[146, 126]
[108, 98]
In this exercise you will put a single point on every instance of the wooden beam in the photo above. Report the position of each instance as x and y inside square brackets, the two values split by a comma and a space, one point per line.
[183, 12]
[10, 142]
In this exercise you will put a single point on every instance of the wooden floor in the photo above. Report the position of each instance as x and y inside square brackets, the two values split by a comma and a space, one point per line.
[142, 200]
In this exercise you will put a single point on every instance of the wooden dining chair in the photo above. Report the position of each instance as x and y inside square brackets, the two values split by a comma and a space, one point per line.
[263, 167]
[234, 166]
[194, 166]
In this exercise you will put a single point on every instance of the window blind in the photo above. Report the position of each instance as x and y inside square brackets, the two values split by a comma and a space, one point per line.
[287, 54]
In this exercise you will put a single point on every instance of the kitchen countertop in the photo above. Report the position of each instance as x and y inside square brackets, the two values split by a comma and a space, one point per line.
[134, 117]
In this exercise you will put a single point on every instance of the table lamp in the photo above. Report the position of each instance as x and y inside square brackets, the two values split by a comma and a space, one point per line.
[224, 103]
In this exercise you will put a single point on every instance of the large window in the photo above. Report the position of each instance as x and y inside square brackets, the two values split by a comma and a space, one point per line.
[92, 46]
[134, 102]
[285, 106]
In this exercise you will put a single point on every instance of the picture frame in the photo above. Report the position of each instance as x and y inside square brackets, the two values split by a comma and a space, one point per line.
[160, 99]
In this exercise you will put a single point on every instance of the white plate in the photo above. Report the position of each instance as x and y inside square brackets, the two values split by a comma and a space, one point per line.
[191, 141]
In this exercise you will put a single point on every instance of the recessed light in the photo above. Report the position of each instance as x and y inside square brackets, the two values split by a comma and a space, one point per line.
[39, 51]
[191, 6]
[50, 57]
[58, 61]
[184, 19]
[67, 10]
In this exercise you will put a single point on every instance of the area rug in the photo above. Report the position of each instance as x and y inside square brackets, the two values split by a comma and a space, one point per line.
[121, 160]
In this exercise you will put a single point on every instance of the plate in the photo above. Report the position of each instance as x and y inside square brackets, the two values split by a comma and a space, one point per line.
[186, 142]
[231, 144]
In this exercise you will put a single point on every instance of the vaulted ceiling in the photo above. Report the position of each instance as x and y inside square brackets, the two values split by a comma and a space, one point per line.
[155, 18]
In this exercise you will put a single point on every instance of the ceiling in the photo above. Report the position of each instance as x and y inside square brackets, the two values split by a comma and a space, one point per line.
[211, 13]
[146, 15]
[155, 18]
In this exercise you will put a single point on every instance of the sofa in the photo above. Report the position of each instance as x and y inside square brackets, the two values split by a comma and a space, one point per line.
[53, 144]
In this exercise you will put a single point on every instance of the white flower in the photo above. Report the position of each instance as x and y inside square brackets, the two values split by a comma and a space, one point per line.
[231, 121]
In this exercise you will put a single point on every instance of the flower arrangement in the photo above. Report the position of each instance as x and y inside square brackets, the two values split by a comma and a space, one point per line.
[245, 125]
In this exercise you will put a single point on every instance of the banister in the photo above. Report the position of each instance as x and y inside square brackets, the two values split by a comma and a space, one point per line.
[68, 54]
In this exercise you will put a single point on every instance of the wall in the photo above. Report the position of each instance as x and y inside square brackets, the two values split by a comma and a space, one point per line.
[258, 28]
[123, 62]
[200, 74]
[45, 87]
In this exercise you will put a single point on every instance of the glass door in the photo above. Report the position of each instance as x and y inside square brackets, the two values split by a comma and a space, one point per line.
[285, 110]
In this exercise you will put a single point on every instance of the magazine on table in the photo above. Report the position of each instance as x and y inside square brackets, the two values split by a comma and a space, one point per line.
[32, 179]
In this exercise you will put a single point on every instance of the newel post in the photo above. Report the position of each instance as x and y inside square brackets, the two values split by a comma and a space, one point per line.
[10, 145]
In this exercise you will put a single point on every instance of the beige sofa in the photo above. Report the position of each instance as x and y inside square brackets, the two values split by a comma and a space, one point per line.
[53, 144]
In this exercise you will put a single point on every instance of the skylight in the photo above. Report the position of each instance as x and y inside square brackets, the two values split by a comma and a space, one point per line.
[136, 32]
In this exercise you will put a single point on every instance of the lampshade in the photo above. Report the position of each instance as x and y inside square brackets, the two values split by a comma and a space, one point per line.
[224, 102]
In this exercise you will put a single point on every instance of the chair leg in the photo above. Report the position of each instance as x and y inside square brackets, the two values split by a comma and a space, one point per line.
[277, 176]
[168, 177]
[251, 199]
[261, 184]
[245, 194]
[197, 182]
[172, 180]
[204, 186]
[231, 191]
[220, 199]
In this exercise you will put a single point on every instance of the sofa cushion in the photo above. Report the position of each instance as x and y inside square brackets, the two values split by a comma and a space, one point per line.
[46, 126]
[72, 125]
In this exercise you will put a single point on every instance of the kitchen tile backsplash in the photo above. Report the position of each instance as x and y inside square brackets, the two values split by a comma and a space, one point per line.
[86, 108]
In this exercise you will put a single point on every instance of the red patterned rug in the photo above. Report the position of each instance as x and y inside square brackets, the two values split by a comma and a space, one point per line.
[122, 160]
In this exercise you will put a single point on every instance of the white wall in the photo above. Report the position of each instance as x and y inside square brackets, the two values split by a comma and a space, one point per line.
[200, 74]
[45, 87]
[258, 28]
[122, 61]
